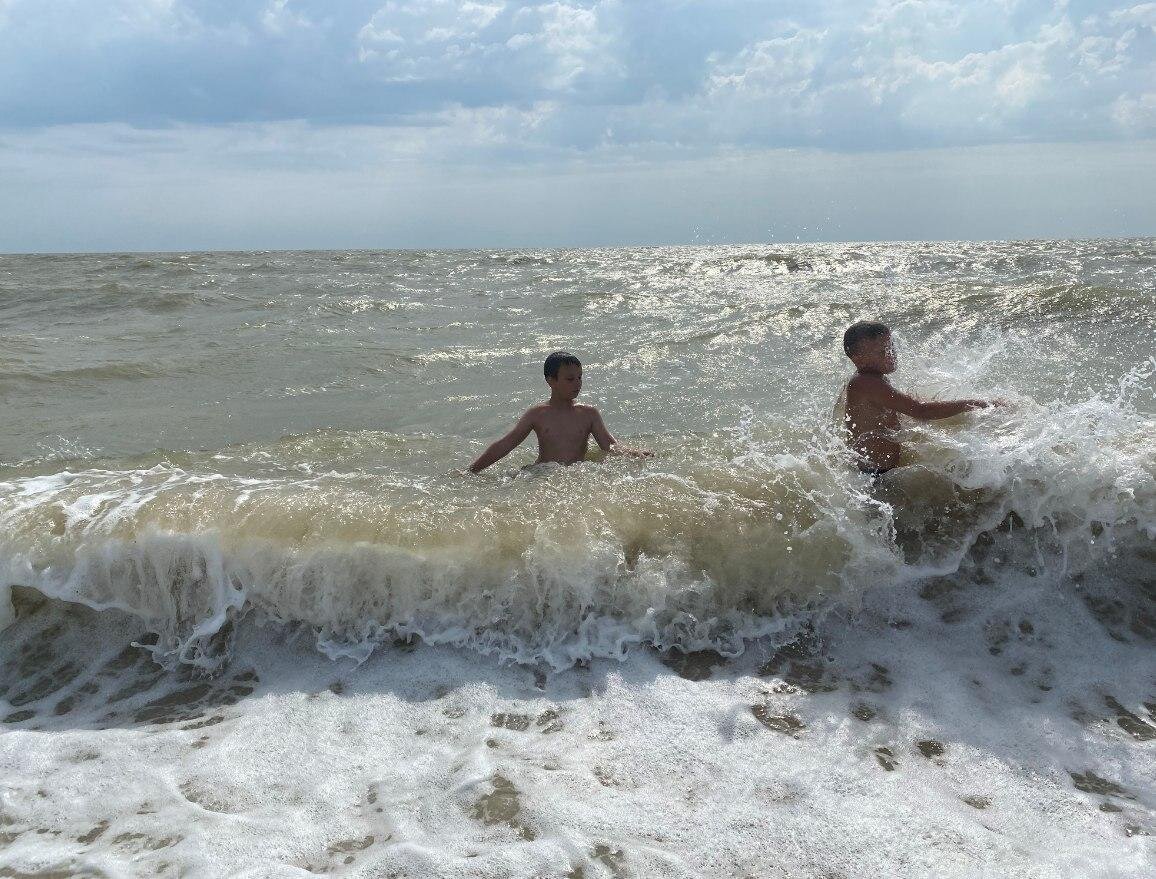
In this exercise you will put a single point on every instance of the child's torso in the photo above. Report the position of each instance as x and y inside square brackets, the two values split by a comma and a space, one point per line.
[563, 434]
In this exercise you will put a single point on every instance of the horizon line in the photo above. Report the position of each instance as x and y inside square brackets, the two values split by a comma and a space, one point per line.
[619, 246]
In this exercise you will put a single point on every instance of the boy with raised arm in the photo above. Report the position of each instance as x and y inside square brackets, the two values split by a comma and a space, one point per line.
[873, 406]
[563, 426]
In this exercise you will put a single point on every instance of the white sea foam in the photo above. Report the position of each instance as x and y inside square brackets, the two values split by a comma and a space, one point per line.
[967, 731]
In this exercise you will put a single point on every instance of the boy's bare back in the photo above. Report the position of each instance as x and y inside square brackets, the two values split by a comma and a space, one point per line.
[872, 424]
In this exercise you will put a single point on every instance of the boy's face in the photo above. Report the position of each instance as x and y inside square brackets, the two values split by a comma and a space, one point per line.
[876, 355]
[567, 383]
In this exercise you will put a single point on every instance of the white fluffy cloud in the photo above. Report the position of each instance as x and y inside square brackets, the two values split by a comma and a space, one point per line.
[936, 73]
[511, 51]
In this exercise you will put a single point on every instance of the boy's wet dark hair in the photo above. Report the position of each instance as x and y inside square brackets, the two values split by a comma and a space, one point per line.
[860, 332]
[556, 361]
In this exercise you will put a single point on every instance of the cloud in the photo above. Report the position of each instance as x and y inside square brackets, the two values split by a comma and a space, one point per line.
[582, 75]
[516, 51]
[279, 19]
[1136, 114]
[913, 73]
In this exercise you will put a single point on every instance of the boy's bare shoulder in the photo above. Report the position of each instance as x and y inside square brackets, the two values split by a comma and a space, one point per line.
[535, 412]
[866, 384]
[587, 410]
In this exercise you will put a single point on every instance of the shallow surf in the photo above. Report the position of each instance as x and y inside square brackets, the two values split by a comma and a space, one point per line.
[259, 623]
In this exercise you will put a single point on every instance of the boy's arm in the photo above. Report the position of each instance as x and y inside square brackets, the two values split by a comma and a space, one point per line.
[881, 393]
[607, 442]
[502, 447]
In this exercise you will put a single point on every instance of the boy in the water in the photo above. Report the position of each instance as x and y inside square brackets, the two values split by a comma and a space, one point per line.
[563, 426]
[873, 406]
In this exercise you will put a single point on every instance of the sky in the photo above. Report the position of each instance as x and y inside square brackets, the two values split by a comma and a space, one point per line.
[262, 124]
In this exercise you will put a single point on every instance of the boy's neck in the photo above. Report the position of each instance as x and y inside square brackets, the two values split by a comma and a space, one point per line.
[561, 402]
[866, 370]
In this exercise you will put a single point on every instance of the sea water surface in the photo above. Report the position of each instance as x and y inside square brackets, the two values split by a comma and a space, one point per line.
[259, 622]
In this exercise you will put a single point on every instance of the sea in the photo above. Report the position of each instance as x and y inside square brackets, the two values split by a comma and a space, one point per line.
[258, 621]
